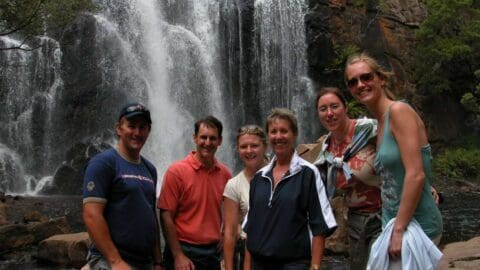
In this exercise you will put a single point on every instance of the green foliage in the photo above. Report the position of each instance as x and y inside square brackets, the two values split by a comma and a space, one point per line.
[471, 102]
[34, 17]
[358, 3]
[341, 55]
[356, 109]
[459, 163]
[448, 48]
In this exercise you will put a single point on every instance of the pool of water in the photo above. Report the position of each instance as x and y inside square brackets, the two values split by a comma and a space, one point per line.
[460, 212]
[461, 222]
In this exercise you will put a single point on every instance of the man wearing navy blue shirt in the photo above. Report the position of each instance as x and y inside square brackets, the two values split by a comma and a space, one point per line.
[119, 199]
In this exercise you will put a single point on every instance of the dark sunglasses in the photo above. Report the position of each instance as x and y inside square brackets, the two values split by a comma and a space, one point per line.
[365, 78]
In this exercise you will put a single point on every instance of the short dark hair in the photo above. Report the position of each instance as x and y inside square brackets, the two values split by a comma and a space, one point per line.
[209, 121]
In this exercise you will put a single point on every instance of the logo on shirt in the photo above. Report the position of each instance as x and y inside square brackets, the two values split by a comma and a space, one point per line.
[90, 186]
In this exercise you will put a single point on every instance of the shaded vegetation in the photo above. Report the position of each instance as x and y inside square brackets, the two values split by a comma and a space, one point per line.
[448, 54]
[459, 163]
[30, 18]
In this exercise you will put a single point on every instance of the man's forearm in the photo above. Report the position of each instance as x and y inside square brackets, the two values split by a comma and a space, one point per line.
[157, 251]
[170, 233]
[100, 235]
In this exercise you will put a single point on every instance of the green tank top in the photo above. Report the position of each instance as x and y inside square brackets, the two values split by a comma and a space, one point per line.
[389, 165]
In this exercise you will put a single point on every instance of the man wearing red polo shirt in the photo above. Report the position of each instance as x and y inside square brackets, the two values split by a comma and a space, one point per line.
[190, 203]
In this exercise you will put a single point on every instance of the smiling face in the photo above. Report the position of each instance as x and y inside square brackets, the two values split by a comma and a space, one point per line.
[251, 150]
[332, 112]
[364, 84]
[207, 141]
[132, 134]
[281, 137]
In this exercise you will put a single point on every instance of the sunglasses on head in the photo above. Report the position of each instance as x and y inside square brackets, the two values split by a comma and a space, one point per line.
[365, 78]
[250, 129]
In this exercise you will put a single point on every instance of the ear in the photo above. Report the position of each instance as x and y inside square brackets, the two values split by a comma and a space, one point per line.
[117, 128]
[383, 80]
[220, 141]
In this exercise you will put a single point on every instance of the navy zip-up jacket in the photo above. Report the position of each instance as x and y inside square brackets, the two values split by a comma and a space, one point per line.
[280, 221]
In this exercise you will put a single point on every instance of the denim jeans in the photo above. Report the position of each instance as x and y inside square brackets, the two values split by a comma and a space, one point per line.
[96, 262]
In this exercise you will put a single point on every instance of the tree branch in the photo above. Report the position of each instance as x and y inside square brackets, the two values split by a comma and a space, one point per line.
[26, 23]
[20, 46]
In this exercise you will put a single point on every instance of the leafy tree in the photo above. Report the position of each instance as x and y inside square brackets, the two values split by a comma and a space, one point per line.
[29, 18]
[471, 102]
[448, 52]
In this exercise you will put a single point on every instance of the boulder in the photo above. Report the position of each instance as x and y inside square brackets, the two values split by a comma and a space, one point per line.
[461, 255]
[65, 250]
[34, 216]
[68, 177]
[14, 236]
[19, 236]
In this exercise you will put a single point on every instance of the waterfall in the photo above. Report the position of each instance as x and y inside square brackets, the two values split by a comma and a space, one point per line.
[185, 59]
[172, 67]
[29, 81]
[280, 51]
[11, 170]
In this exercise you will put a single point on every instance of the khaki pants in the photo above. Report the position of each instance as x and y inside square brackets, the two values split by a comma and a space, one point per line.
[363, 230]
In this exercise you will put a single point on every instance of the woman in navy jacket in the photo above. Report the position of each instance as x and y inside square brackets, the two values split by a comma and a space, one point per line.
[289, 213]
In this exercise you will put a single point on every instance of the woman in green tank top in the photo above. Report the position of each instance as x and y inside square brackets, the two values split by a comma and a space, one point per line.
[403, 152]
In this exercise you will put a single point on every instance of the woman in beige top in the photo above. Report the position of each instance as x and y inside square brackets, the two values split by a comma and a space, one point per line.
[251, 147]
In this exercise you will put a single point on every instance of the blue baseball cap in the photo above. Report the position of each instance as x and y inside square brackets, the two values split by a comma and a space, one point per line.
[133, 109]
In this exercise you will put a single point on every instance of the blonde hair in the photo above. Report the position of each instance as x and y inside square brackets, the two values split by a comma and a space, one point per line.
[376, 67]
[252, 130]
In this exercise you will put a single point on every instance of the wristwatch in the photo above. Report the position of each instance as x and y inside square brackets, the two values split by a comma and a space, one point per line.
[314, 267]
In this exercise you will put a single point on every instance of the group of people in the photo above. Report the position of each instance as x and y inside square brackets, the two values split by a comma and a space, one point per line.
[275, 213]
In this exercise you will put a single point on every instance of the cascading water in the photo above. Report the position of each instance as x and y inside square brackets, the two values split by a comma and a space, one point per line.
[174, 66]
[30, 79]
[266, 64]
[185, 59]
[280, 59]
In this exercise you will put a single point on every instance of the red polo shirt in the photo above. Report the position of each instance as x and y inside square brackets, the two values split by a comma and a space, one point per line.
[194, 194]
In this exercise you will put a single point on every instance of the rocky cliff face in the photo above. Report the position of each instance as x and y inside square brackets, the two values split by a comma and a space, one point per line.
[386, 30]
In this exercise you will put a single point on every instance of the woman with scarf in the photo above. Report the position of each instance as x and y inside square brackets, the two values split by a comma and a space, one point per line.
[345, 157]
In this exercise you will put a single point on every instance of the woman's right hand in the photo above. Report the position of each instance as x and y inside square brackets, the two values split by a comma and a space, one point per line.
[395, 247]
